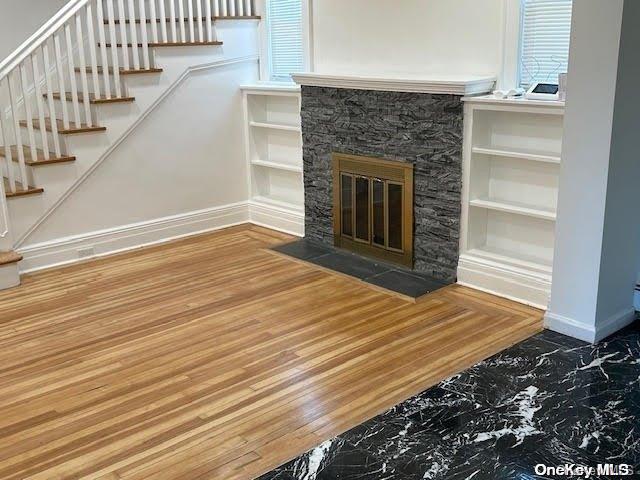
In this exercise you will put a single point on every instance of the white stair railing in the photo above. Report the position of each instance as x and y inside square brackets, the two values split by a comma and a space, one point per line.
[47, 85]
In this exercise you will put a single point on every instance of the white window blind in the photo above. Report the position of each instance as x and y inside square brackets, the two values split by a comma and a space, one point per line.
[285, 38]
[546, 31]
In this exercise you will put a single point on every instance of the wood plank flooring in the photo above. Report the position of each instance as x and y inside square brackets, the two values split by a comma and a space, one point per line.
[213, 358]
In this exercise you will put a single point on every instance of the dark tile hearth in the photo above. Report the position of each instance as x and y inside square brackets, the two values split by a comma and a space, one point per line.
[383, 275]
[549, 400]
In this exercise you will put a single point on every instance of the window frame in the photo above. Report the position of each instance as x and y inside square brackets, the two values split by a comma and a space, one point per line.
[512, 44]
[265, 43]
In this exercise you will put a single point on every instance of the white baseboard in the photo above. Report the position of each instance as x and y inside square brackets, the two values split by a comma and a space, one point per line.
[278, 218]
[589, 333]
[511, 283]
[73, 249]
[127, 237]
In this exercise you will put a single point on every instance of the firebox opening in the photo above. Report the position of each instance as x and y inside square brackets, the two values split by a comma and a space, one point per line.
[373, 207]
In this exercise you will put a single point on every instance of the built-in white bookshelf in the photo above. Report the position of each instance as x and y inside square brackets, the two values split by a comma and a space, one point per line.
[510, 191]
[274, 152]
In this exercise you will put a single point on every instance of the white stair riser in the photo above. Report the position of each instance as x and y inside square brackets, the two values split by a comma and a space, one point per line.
[9, 276]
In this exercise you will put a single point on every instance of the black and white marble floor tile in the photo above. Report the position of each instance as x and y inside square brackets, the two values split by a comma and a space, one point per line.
[549, 400]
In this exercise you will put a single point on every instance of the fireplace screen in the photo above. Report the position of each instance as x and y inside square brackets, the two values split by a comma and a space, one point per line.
[373, 207]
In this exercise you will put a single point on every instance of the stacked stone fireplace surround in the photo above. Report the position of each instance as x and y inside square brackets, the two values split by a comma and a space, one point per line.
[421, 128]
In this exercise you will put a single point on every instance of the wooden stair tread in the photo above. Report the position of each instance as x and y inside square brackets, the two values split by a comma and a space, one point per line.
[40, 160]
[122, 71]
[7, 258]
[20, 191]
[61, 130]
[93, 99]
[170, 44]
[195, 19]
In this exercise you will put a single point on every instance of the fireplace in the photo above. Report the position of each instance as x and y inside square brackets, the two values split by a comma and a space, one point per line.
[421, 132]
[373, 207]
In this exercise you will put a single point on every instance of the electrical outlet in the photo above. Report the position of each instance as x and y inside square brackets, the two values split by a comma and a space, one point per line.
[86, 252]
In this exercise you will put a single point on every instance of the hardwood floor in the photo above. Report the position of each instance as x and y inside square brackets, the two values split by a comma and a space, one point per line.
[211, 357]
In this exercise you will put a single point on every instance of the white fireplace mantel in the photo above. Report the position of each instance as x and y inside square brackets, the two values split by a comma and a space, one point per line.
[438, 84]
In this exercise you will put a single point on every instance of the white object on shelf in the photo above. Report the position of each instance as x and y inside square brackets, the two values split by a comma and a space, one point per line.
[510, 187]
[543, 91]
[274, 155]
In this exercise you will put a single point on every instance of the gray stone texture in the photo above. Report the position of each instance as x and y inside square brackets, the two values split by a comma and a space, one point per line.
[423, 129]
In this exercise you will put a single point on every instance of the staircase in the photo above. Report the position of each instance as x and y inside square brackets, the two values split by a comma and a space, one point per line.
[71, 92]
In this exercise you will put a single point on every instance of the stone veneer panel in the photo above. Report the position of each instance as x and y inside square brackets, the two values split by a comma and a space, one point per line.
[423, 129]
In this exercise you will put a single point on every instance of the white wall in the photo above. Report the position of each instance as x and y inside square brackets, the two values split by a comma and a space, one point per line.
[188, 155]
[19, 19]
[597, 235]
[408, 36]
[621, 239]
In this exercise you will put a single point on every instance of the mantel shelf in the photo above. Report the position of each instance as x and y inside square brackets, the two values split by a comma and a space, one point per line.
[276, 126]
[544, 157]
[515, 208]
[435, 84]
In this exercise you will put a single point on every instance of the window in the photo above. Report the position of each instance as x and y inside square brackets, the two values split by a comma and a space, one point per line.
[544, 43]
[286, 45]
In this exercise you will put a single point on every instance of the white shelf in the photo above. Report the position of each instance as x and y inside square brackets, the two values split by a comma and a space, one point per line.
[270, 88]
[515, 208]
[536, 156]
[515, 102]
[277, 166]
[274, 155]
[276, 126]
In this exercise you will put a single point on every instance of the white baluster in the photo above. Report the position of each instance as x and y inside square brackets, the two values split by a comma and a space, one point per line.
[122, 18]
[61, 87]
[233, 8]
[134, 36]
[174, 33]
[181, 20]
[91, 40]
[50, 101]
[247, 8]
[163, 22]
[114, 48]
[208, 20]
[240, 8]
[18, 134]
[103, 49]
[37, 91]
[216, 8]
[192, 32]
[154, 21]
[86, 100]
[143, 33]
[199, 20]
[7, 144]
[224, 11]
[27, 110]
[72, 78]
